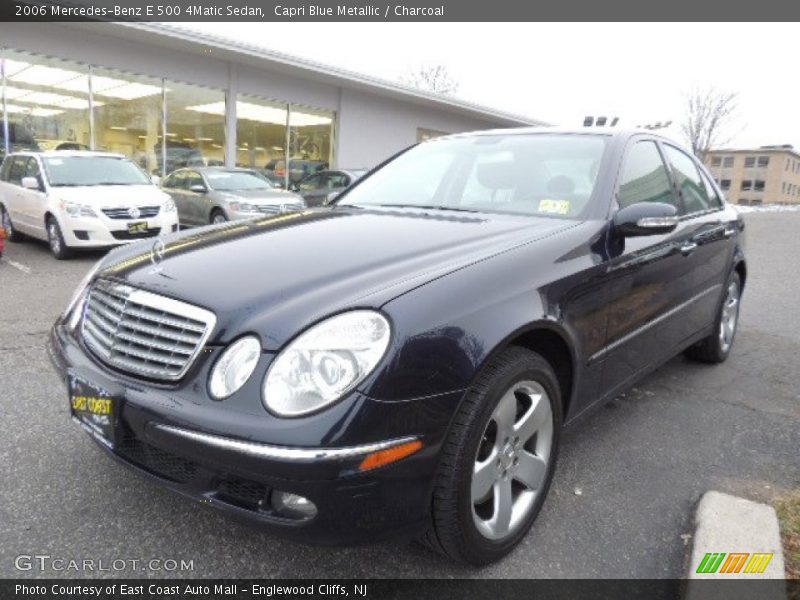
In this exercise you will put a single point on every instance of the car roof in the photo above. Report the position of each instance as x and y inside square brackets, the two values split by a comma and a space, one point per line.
[611, 132]
[217, 168]
[63, 153]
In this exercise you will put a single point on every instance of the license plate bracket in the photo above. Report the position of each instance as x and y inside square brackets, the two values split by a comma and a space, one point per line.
[137, 227]
[94, 409]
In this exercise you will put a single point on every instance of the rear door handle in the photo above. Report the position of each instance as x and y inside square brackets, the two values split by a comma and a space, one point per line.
[688, 248]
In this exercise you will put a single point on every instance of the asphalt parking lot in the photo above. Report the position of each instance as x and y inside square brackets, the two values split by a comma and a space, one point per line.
[627, 482]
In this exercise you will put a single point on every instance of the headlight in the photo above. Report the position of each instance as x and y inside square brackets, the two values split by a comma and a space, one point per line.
[78, 210]
[234, 367]
[78, 295]
[169, 206]
[243, 207]
[325, 362]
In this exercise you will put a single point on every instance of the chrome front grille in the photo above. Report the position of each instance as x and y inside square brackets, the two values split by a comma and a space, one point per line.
[274, 209]
[145, 212]
[143, 333]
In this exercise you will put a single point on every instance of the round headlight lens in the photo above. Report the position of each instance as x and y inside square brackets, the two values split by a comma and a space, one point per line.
[326, 362]
[234, 367]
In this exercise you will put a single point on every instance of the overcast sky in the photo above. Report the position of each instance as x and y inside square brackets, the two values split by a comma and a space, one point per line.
[560, 73]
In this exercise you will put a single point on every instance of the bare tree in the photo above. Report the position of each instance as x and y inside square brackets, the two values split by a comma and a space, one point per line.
[708, 114]
[433, 79]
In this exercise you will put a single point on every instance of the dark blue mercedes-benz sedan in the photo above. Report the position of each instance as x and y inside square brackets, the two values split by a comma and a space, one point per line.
[401, 363]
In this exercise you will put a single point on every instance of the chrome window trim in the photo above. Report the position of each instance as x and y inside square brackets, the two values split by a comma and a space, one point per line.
[281, 453]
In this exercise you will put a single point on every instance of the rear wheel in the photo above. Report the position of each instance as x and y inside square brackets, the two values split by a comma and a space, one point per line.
[11, 234]
[217, 216]
[717, 346]
[498, 460]
[57, 245]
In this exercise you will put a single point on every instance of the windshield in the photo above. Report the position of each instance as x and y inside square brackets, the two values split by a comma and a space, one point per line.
[75, 171]
[536, 174]
[228, 181]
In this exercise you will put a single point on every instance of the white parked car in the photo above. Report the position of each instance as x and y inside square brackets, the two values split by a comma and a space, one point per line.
[78, 199]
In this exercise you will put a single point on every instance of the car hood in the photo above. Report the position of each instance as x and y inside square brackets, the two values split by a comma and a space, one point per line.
[276, 275]
[112, 196]
[260, 196]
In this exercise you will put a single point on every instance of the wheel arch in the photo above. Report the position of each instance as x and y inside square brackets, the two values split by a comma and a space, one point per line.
[47, 215]
[552, 343]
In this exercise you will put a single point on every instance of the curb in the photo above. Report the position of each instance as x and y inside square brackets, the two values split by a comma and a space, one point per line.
[729, 532]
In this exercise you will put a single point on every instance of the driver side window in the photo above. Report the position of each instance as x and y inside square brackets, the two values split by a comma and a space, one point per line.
[645, 177]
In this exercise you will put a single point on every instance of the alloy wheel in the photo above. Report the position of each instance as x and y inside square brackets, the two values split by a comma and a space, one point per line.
[729, 317]
[218, 218]
[512, 460]
[53, 237]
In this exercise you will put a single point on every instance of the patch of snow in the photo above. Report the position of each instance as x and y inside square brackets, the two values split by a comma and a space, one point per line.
[770, 208]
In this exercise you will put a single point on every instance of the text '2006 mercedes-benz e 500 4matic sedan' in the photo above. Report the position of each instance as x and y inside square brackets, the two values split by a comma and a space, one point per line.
[401, 363]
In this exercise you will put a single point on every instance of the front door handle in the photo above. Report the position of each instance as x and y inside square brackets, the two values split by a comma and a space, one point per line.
[688, 248]
[729, 231]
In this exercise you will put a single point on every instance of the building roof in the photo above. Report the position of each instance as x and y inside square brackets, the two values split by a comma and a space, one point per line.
[239, 52]
[788, 149]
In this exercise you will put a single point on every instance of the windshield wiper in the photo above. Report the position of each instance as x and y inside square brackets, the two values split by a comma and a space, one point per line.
[428, 207]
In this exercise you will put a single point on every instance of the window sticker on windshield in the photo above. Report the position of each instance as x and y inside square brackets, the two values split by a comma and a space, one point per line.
[55, 162]
[558, 207]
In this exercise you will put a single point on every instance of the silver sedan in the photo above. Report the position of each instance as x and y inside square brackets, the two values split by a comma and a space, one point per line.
[206, 195]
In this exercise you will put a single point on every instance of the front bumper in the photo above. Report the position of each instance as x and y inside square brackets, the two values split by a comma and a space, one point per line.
[169, 440]
[102, 231]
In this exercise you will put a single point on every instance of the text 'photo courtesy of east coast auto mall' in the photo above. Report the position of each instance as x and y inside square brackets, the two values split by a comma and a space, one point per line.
[408, 300]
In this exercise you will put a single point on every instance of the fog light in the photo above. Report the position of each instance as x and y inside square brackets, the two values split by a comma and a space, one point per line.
[292, 506]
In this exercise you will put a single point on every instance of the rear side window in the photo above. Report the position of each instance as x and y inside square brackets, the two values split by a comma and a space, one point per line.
[192, 178]
[33, 168]
[17, 170]
[5, 169]
[687, 177]
[645, 177]
[337, 180]
[170, 180]
[713, 196]
[311, 183]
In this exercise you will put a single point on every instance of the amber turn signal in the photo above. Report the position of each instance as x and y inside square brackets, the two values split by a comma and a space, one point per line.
[390, 455]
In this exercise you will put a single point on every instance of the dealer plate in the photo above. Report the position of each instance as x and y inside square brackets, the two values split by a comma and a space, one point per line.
[93, 408]
[137, 227]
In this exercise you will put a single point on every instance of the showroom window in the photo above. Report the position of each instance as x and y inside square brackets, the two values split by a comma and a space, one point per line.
[162, 125]
[46, 103]
[310, 142]
[261, 134]
[195, 126]
[128, 116]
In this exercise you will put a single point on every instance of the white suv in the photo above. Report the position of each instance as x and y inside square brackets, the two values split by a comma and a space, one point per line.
[76, 199]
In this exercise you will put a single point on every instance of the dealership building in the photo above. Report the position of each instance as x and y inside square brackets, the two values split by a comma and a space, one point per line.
[169, 97]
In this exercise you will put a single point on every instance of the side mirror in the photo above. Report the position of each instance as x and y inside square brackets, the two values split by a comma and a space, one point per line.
[200, 189]
[646, 218]
[31, 183]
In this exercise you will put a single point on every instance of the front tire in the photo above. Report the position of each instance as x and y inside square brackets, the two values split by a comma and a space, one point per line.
[498, 460]
[217, 217]
[58, 247]
[717, 347]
